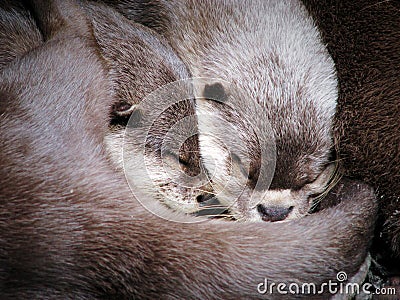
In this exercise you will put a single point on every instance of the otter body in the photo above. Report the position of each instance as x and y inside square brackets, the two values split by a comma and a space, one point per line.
[70, 227]
[363, 39]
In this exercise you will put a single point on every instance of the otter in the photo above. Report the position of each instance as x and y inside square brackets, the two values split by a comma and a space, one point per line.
[146, 63]
[362, 38]
[273, 52]
[70, 227]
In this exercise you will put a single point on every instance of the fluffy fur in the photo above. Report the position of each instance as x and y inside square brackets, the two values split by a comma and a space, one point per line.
[272, 51]
[70, 228]
[17, 28]
[139, 62]
[363, 38]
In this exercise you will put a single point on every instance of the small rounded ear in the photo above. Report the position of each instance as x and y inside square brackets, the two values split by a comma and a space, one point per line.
[58, 15]
[215, 91]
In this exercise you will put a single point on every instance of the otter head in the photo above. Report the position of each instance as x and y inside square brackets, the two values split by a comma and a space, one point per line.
[139, 62]
[283, 69]
[266, 163]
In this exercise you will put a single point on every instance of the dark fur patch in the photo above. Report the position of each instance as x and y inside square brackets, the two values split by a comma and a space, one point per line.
[363, 38]
[216, 92]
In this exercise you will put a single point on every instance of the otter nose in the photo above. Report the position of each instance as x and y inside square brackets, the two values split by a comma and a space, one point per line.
[273, 213]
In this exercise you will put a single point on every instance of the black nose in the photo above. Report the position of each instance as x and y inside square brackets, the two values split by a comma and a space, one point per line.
[273, 213]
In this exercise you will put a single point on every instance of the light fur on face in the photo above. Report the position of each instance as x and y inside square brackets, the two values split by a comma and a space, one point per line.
[273, 52]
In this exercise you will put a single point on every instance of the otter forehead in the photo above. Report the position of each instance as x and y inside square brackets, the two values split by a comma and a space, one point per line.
[303, 148]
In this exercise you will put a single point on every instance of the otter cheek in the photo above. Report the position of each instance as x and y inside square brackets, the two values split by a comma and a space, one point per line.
[301, 203]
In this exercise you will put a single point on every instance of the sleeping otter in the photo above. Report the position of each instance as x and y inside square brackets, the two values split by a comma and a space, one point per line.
[363, 38]
[272, 51]
[139, 62]
[70, 227]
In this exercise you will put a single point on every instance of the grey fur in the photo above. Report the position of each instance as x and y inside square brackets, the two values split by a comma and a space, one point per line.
[139, 61]
[273, 52]
[70, 228]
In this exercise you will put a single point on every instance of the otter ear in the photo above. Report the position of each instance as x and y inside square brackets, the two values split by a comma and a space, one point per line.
[210, 106]
[55, 16]
[108, 30]
[215, 92]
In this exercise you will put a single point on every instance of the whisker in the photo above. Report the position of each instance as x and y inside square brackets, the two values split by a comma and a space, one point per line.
[212, 207]
[375, 4]
[333, 181]
[204, 191]
[237, 198]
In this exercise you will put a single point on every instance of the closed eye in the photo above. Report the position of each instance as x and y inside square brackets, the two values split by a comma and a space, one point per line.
[183, 161]
[122, 108]
[175, 157]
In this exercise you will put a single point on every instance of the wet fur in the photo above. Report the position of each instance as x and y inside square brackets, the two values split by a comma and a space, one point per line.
[70, 228]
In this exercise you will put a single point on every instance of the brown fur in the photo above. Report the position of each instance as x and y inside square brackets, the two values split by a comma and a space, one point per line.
[363, 38]
[70, 228]
[139, 61]
[16, 28]
[273, 53]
